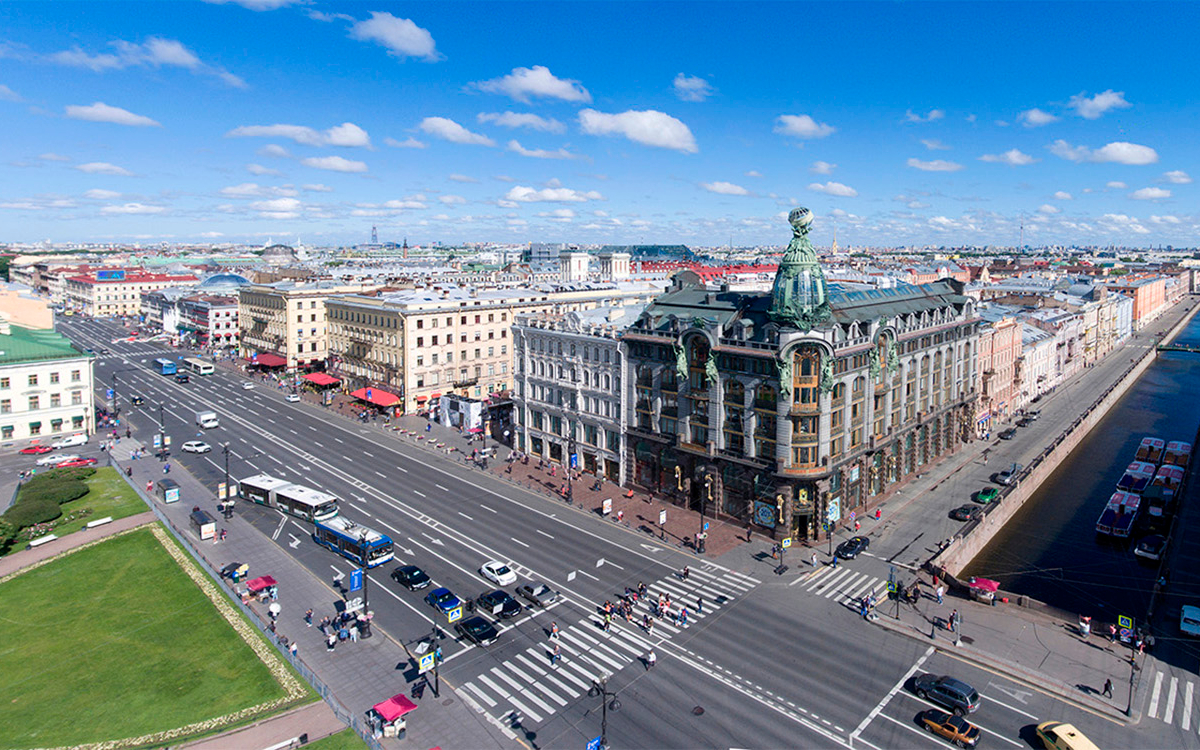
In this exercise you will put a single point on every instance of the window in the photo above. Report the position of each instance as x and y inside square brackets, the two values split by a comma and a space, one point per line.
[53, 377]
[435, 341]
[55, 400]
[6, 406]
[76, 398]
[420, 361]
[6, 432]
[420, 341]
[5, 383]
[33, 379]
[35, 428]
[33, 403]
[421, 324]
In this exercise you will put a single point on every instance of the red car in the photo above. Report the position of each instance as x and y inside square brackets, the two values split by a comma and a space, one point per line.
[76, 462]
[36, 450]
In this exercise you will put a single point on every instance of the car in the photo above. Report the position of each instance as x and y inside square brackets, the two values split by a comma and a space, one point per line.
[498, 573]
[70, 441]
[1008, 434]
[1024, 422]
[55, 459]
[1057, 735]
[477, 630]
[75, 462]
[1151, 547]
[137, 400]
[1006, 477]
[537, 593]
[292, 397]
[954, 728]
[105, 351]
[182, 377]
[411, 577]
[247, 386]
[36, 450]
[955, 695]
[498, 603]
[987, 495]
[852, 547]
[442, 599]
[1033, 414]
[196, 446]
[966, 513]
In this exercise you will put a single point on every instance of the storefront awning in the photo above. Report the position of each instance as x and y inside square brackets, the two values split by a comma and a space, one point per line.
[422, 399]
[435, 395]
[376, 396]
[267, 359]
[320, 378]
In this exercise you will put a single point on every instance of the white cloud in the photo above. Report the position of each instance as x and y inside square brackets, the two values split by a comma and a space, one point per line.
[272, 149]
[1013, 158]
[1035, 118]
[452, 200]
[277, 205]
[101, 112]
[1046, 208]
[449, 130]
[408, 142]
[49, 156]
[754, 173]
[103, 167]
[410, 203]
[523, 83]
[400, 36]
[559, 214]
[1063, 195]
[254, 190]
[1116, 185]
[934, 114]
[346, 134]
[1119, 152]
[316, 187]
[258, 169]
[724, 188]
[1091, 108]
[1168, 219]
[156, 52]
[834, 188]
[937, 165]
[132, 208]
[334, 164]
[522, 194]
[648, 127]
[1177, 177]
[101, 195]
[522, 120]
[822, 167]
[317, 15]
[8, 95]
[461, 178]
[692, 88]
[258, 5]
[1122, 223]
[933, 144]
[802, 126]
[1150, 194]
[539, 153]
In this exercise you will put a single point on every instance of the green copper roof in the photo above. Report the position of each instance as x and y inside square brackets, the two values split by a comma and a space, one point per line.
[799, 297]
[33, 345]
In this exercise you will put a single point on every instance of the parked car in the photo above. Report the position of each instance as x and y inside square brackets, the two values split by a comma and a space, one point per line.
[852, 547]
[1151, 547]
[196, 446]
[955, 695]
[987, 495]
[1006, 477]
[1033, 414]
[498, 573]
[55, 459]
[74, 462]
[292, 397]
[966, 513]
[477, 630]
[1008, 434]
[36, 450]
[954, 728]
[442, 599]
[411, 577]
[537, 593]
[1024, 422]
[498, 603]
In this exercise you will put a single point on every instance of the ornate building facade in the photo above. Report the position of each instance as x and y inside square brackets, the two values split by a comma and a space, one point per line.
[793, 408]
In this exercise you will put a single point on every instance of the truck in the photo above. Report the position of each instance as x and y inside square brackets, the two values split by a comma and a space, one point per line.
[207, 419]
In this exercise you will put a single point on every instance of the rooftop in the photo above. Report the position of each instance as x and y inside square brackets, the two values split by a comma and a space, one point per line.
[20, 345]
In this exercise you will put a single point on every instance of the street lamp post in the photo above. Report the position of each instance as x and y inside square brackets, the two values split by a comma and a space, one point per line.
[162, 435]
[600, 689]
[365, 617]
[570, 455]
[225, 491]
[704, 500]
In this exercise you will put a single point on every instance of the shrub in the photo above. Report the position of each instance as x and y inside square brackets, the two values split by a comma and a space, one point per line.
[7, 531]
[27, 512]
[59, 492]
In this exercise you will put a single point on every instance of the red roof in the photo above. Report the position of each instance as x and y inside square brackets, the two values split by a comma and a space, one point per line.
[134, 278]
[320, 378]
[266, 359]
[376, 396]
[395, 707]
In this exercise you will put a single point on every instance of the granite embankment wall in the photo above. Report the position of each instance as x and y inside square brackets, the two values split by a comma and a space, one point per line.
[976, 535]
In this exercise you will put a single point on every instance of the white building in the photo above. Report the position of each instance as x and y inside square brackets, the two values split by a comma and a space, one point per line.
[45, 386]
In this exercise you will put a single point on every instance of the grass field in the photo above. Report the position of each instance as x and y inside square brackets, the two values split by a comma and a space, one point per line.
[115, 641]
[108, 495]
[343, 740]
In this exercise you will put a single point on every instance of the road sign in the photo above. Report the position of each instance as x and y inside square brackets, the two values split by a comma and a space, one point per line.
[891, 587]
[1125, 621]
[110, 393]
[356, 580]
[787, 542]
[426, 662]
[852, 515]
[158, 441]
[454, 615]
[706, 525]
[355, 604]
[593, 744]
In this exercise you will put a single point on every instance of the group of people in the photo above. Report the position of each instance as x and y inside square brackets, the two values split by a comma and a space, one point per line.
[342, 627]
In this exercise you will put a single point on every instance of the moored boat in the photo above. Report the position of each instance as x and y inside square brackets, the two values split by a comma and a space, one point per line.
[1118, 515]
[1178, 453]
[1151, 450]
[1137, 477]
[1169, 478]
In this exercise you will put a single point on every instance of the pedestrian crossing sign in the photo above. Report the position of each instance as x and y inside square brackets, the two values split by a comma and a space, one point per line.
[1125, 622]
[426, 662]
[787, 542]
[454, 615]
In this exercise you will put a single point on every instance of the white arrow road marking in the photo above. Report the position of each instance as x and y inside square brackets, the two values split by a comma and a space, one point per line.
[295, 542]
[602, 561]
[1019, 695]
[651, 548]
[438, 542]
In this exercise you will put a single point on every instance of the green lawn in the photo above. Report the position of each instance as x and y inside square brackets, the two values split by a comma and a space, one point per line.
[115, 641]
[343, 740]
[108, 495]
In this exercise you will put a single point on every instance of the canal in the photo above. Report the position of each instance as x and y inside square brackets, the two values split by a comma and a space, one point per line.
[1049, 549]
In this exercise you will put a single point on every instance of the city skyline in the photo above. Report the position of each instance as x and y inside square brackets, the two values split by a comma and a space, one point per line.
[900, 124]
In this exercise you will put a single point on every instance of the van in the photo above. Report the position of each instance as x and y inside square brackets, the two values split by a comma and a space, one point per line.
[1189, 620]
[207, 419]
[70, 441]
[1056, 735]
[168, 490]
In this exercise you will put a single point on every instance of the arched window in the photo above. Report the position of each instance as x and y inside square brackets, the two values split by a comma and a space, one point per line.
[735, 392]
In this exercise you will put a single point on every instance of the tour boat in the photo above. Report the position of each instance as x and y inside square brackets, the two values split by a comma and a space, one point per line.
[1169, 478]
[1137, 477]
[1119, 514]
[1178, 453]
[1151, 450]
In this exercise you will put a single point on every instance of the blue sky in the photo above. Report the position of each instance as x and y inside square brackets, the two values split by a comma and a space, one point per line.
[902, 123]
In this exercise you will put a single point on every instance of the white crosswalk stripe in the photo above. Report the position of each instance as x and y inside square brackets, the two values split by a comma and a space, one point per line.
[1175, 697]
[844, 585]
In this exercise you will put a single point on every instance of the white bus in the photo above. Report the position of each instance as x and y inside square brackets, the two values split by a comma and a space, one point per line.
[293, 499]
[260, 489]
[199, 366]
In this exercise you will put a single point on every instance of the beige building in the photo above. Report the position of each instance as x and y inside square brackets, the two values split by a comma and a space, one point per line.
[21, 306]
[288, 320]
[118, 291]
[45, 386]
[419, 344]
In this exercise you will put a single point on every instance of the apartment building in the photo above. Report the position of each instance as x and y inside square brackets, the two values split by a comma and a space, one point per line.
[117, 292]
[45, 386]
[285, 324]
[1000, 367]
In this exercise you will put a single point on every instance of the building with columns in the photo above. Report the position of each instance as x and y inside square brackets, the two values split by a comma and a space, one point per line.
[794, 407]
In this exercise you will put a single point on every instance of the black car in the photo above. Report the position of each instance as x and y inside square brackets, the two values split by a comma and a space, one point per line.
[498, 603]
[137, 400]
[1024, 421]
[182, 377]
[477, 630]
[411, 577]
[852, 547]
[955, 695]
[966, 513]
[1008, 434]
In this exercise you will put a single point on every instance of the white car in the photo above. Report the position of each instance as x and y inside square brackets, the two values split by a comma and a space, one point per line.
[247, 386]
[498, 573]
[292, 397]
[54, 458]
[70, 441]
[196, 446]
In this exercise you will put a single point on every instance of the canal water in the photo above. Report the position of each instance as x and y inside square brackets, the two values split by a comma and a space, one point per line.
[1049, 550]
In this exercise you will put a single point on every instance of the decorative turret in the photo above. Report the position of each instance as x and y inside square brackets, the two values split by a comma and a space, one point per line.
[799, 297]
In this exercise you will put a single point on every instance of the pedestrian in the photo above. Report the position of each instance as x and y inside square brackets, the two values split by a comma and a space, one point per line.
[814, 559]
[166, 468]
[641, 589]
[294, 648]
[834, 562]
[554, 631]
[555, 655]
[686, 572]
[954, 621]
[941, 591]
[149, 485]
[224, 533]
[330, 642]
[651, 659]
[1108, 688]
[308, 617]
[748, 534]
[683, 617]
[607, 621]
[700, 604]
[437, 654]
[1112, 633]
[354, 633]
[857, 526]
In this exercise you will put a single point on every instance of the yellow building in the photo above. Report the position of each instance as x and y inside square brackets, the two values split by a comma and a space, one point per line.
[287, 320]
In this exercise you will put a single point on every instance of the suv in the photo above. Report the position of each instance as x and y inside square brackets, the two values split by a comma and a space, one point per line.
[955, 695]
[182, 377]
[498, 603]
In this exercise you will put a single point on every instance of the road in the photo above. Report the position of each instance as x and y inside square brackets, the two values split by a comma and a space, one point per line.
[769, 661]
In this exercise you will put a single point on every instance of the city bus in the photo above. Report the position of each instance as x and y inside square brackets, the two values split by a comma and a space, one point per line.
[199, 366]
[164, 366]
[347, 538]
[286, 497]
[260, 489]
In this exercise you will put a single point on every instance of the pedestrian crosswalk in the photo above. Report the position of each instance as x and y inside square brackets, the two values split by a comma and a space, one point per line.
[533, 685]
[1172, 700]
[844, 585]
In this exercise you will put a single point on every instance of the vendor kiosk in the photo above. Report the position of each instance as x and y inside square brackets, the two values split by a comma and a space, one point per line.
[387, 718]
[203, 524]
[168, 490]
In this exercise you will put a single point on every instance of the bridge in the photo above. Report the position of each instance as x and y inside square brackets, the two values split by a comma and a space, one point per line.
[1179, 348]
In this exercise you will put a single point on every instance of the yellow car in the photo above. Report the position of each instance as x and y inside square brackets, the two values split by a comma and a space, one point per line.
[954, 728]
[1056, 735]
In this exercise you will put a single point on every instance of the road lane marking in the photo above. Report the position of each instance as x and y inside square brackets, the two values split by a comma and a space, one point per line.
[891, 693]
[440, 487]
[418, 493]
[1169, 714]
[518, 541]
[380, 474]
[489, 510]
[368, 454]
[352, 505]
[1011, 708]
[551, 536]
[1186, 721]
[1158, 678]
[464, 515]
[340, 440]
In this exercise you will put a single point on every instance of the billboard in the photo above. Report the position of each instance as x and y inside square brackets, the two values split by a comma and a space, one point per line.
[115, 275]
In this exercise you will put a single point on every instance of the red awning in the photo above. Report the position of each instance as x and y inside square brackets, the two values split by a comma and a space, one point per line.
[267, 359]
[422, 399]
[320, 378]
[435, 395]
[260, 583]
[395, 707]
[376, 396]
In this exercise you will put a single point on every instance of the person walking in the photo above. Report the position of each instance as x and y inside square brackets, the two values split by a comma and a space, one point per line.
[555, 656]
[1112, 633]
[330, 642]
[554, 631]
[814, 559]
[651, 659]
[293, 649]
[686, 572]
[941, 591]
[857, 526]
[834, 562]
[954, 621]
[700, 604]
[1108, 688]
[308, 617]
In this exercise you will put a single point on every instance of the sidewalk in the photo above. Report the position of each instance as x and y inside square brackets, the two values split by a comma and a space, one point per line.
[356, 674]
